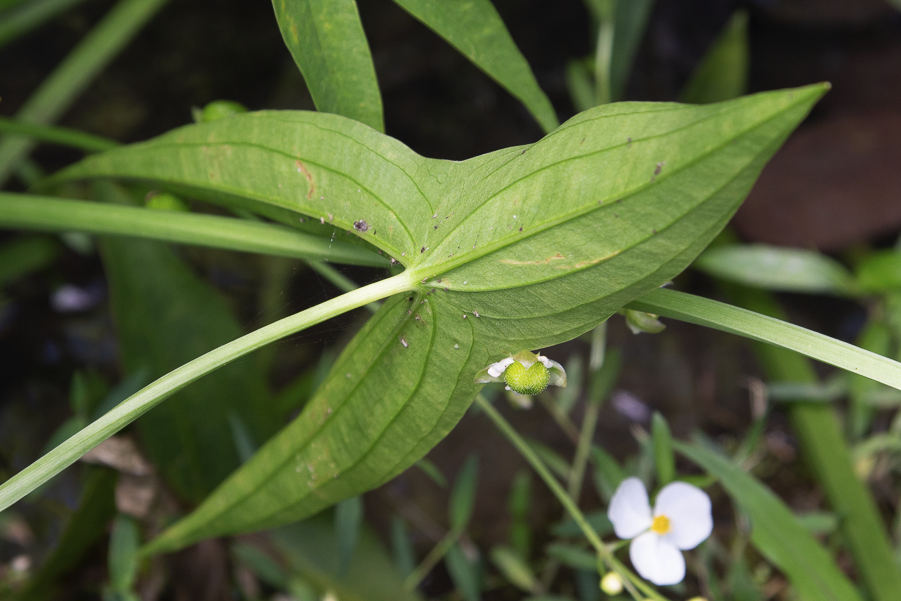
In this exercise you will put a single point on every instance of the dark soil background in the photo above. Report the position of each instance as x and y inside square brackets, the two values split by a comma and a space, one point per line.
[835, 186]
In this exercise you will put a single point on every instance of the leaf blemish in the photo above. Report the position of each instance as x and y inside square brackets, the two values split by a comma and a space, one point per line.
[593, 261]
[361, 226]
[301, 168]
[555, 257]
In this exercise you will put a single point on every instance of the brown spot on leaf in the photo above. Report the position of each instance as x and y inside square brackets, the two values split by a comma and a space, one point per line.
[555, 257]
[301, 168]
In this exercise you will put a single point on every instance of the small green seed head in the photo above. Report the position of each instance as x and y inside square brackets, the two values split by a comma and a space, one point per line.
[527, 381]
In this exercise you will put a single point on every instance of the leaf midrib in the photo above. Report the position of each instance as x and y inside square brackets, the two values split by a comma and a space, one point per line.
[237, 500]
[409, 319]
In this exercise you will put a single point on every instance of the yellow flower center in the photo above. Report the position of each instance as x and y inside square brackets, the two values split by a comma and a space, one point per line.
[660, 524]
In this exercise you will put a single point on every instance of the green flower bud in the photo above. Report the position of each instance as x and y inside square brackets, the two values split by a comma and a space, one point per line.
[524, 373]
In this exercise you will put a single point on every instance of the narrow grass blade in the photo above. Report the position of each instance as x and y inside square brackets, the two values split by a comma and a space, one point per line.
[720, 316]
[723, 71]
[776, 532]
[328, 44]
[32, 14]
[475, 29]
[43, 213]
[71, 77]
[63, 136]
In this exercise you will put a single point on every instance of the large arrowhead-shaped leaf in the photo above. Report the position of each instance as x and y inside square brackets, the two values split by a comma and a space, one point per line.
[518, 249]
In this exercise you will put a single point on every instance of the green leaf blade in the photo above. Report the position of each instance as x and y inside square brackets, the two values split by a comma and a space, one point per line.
[720, 316]
[775, 268]
[723, 71]
[43, 213]
[475, 29]
[328, 44]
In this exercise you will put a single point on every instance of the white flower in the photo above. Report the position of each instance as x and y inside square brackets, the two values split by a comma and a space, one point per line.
[681, 520]
[524, 373]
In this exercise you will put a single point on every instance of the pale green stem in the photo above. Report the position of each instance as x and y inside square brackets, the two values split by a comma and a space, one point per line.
[580, 460]
[136, 405]
[339, 280]
[431, 560]
[566, 424]
[629, 579]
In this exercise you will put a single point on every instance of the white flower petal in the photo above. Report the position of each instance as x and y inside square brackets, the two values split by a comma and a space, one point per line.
[629, 509]
[496, 369]
[688, 510]
[656, 559]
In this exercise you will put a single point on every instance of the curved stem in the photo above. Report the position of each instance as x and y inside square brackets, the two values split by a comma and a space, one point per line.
[630, 580]
[139, 403]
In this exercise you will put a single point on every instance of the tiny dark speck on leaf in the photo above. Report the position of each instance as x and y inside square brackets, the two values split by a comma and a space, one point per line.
[436, 227]
[520, 229]
[654, 230]
[422, 250]
[659, 167]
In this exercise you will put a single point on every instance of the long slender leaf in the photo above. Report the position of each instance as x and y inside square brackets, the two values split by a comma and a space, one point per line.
[123, 558]
[348, 523]
[57, 135]
[310, 549]
[776, 532]
[720, 316]
[723, 71]
[43, 213]
[22, 256]
[24, 18]
[328, 44]
[84, 528]
[775, 268]
[522, 248]
[475, 29]
[463, 495]
[630, 22]
[71, 77]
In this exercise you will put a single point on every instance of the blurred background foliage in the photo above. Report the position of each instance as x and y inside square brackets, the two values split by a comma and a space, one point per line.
[84, 322]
